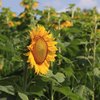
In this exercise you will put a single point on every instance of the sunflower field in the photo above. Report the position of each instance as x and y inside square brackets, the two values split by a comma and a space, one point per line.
[49, 55]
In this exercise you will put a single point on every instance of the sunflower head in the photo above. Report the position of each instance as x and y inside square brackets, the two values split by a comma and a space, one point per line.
[10, 24]
[25, 4]
[66, 24]
[35, 4]
[42, 50]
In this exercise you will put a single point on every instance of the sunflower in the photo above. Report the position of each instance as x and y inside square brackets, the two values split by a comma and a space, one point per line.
[25, 4]
[42, 50]
[10, 24]
[35, 5]
[66, 24]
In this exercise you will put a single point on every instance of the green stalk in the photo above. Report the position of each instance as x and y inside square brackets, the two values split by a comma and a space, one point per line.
[52, 97]
[73, 11]
[59, 49]
[93, 78]
[25, 77]
[51, 85]
[94, 59]
[48, 14]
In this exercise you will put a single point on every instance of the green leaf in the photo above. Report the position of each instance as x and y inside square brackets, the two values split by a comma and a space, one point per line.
[84, 92]
[67, 92]
[8, 80]
[59, 77]
[3, 38]
[96, 72]
[56, 78]
[65, 59]
[50, 74]
[36, 87]
[5, 48]
[68, 71]
[83, 57]
[37, 93]
[64, 90]
[7, 89]
[23, 96]
[37, 90]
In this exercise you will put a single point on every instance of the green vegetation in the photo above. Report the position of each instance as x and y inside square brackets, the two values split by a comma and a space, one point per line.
[75, 74]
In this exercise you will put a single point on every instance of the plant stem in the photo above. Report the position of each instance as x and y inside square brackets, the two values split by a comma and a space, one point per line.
[93, 78]
[94, 59]
[52, 98]
[51, 86]
[73, 13]
[25, 78]
[59, 49]
[48, 14]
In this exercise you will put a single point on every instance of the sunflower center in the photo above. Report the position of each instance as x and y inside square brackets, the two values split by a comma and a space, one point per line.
[40, 51]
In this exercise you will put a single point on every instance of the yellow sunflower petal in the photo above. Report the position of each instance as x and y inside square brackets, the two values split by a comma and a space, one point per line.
[51, 43]
[31, 59]
[52, 48]
[51, 58]
[46, 63]
[48, 37]
[43, 69]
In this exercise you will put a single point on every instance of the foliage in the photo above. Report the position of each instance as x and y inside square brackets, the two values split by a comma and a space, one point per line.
[75, 74]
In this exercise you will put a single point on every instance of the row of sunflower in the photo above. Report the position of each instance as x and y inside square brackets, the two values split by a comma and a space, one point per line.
[49, 55]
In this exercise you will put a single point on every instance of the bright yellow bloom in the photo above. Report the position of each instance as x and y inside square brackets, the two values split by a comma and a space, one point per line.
[98, 30]
[35, 5]
[76, 17]
[41, 50]
[25, 5]
[10, 24]
[22, 15]
[66, 24]
[14, 14]
[54, 14]
[18, 23]
[56, 26]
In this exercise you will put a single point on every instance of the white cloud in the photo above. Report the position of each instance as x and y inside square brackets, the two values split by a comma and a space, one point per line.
[61, 10]
[87, 3]
[54, 3]
[98, 9]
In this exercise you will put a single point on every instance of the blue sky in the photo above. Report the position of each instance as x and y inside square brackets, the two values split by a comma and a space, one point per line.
[59, 5]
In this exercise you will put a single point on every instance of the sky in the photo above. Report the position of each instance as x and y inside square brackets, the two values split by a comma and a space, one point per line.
[59, 5]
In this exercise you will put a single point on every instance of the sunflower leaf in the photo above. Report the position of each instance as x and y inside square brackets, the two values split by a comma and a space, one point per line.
[23, 96]
[59, 77]
[7, 89]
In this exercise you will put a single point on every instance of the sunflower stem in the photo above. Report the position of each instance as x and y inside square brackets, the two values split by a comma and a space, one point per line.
[94, 59]
[25, 77]
[48, 14]
[59, 49]
[52, 97]
[51, 85]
